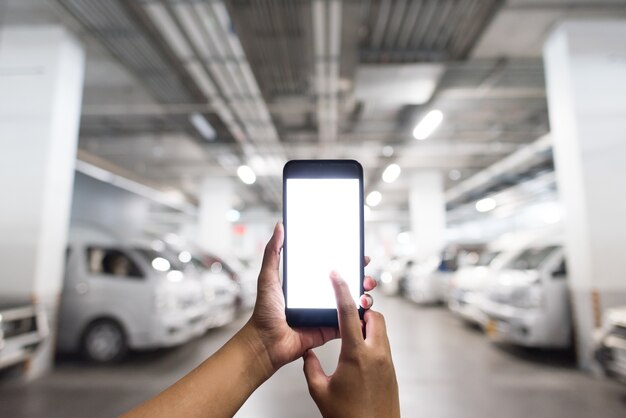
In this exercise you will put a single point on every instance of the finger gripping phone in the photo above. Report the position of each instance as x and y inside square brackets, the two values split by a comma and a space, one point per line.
[323, 220]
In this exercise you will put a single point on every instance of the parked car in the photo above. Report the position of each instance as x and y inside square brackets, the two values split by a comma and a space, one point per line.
[120, 296]
[244, 277]
[392, 276]
[426, 282]
[611, 344]
[528, 302]
[220, 292]
[23, 327]
[467, 286]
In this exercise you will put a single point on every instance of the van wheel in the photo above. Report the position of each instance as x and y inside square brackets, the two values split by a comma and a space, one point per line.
[104, 341]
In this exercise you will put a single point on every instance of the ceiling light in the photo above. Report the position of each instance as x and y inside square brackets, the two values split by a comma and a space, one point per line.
[427, 125]
[485, 205]
[184, 256]
[552, 215]
[454, 175]
[374, 198]
[404, 237]
[391, 173]
[203, 126]
[233, 215]
[246, 174]
[387, 150]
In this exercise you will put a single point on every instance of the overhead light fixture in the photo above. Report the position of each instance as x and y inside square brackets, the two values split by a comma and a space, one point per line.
[203, 126]
[454, 175]
[427, 125]
[391, 173]
[387, 150]
[486, 204]
[184, 256]
[246, 174]
[233, 215]
[404, 237]
[374, 198]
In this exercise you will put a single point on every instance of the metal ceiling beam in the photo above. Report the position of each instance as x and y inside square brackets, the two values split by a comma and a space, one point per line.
[513, 162]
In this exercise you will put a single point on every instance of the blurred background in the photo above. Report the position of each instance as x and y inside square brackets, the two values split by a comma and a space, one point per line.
[142, 151]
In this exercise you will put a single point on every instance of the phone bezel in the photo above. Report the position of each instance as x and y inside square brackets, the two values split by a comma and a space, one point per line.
[320, 169]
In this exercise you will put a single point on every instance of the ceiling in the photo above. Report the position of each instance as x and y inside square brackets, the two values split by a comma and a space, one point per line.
[281, 79]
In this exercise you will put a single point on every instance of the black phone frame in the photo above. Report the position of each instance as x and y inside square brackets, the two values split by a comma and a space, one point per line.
[320, 169]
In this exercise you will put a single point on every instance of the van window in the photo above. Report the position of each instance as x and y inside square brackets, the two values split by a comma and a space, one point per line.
[111, 262]
[561, 271]
[486, 258]
[531, 258]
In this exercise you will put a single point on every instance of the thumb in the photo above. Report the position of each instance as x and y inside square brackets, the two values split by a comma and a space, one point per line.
[316, 379]
[271, 257]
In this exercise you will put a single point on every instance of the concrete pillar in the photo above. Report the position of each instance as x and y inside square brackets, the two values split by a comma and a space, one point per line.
[586, 85]
[215, 231]
[41, 79]
[427, 208]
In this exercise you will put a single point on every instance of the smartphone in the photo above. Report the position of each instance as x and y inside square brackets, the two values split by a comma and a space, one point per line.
[323, 221]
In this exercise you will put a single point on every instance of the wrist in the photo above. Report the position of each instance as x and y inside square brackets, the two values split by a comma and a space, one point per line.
[259, 354]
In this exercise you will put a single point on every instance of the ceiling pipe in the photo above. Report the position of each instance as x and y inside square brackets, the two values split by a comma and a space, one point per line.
[319, 49]
[333, 69]
[327, 46]
[200, 34]
[510, 163]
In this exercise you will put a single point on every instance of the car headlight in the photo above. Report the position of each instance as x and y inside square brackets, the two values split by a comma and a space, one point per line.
[527, 297]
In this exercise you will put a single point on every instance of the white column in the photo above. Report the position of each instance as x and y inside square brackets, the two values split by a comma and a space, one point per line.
[41, 79]
[427, 209]
[586, 84]
[215, 231]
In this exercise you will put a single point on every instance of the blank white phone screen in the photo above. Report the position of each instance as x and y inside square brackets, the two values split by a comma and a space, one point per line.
[323, 234]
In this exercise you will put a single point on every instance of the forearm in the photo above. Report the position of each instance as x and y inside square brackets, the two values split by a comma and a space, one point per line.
[219, 386]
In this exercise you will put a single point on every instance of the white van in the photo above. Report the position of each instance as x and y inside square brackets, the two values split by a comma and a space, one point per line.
[528, 301]
[469, 283]
[117, 297]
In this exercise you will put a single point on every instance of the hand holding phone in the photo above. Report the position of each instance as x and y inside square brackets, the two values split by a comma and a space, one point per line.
[268, 323]
[364, 383]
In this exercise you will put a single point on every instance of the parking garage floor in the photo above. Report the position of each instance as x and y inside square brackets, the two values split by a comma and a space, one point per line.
[445, 369]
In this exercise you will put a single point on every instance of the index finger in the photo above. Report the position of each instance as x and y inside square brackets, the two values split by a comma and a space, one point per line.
[347, 313]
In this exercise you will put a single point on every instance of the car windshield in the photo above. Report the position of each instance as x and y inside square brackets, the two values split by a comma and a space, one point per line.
[486, 258]
[160, 261]
[531, 258]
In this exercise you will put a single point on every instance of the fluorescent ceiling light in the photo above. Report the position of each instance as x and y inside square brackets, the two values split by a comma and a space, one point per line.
[203, 126]
[184, 256]
[387, 150]
[374, 198]
[427, 125]
[454, 175]
[404, 237]
[233, 215]
[391, 173]
[486, 204]
[246, 174]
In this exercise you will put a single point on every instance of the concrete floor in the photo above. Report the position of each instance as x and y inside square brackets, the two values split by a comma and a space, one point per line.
[444, 368]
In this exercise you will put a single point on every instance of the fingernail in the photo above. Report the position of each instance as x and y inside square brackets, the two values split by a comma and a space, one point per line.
[334, 274]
